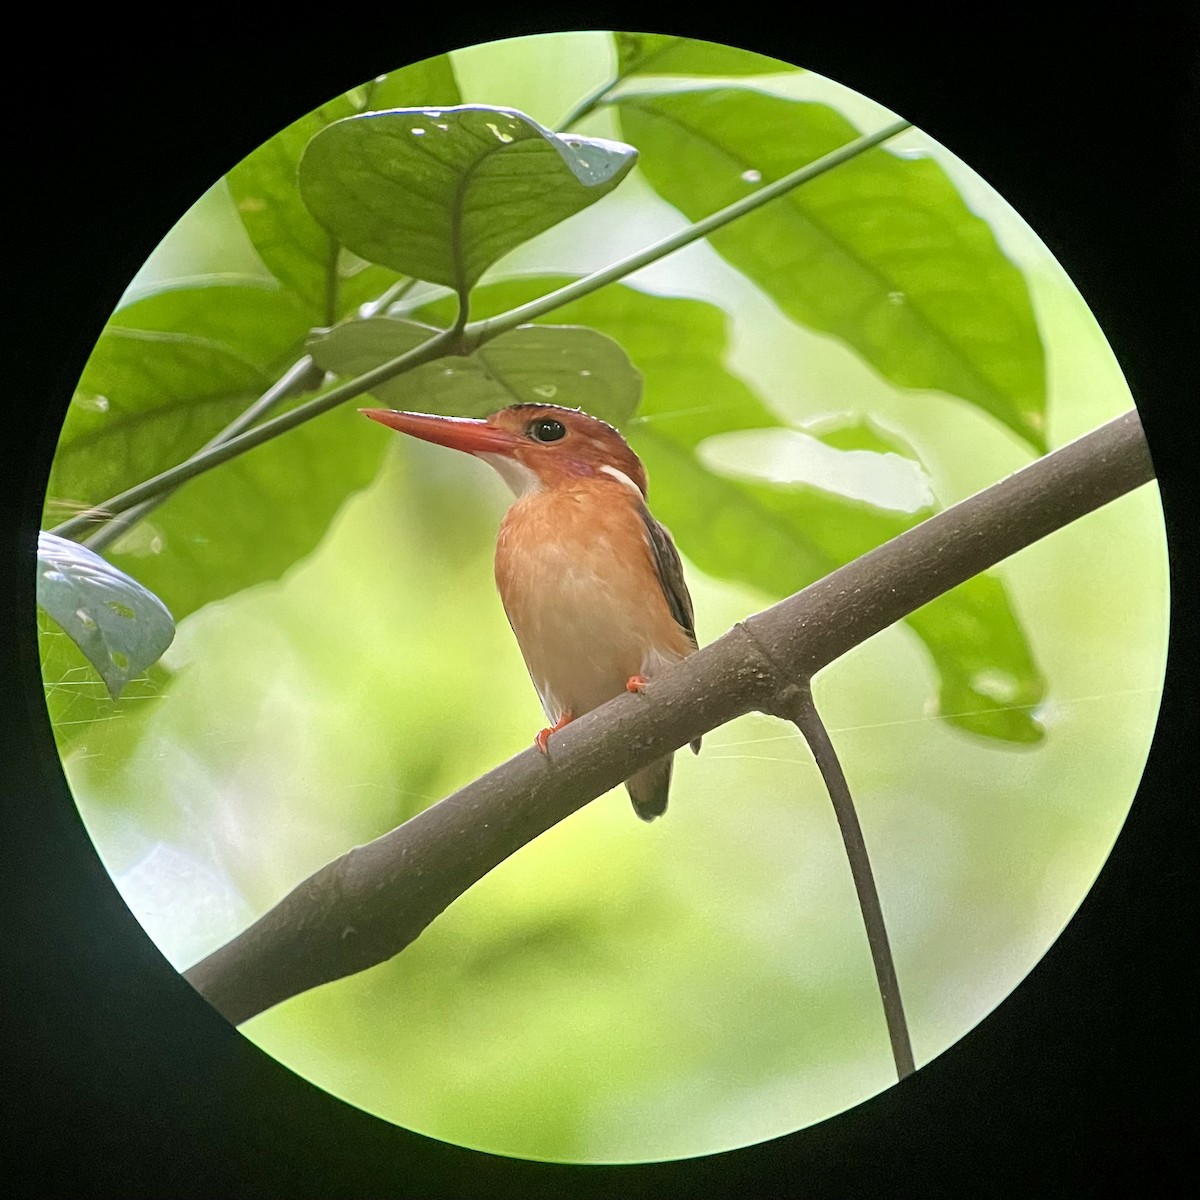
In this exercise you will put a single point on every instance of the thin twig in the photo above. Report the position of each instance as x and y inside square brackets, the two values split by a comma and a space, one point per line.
[806, 718]
[295, 379]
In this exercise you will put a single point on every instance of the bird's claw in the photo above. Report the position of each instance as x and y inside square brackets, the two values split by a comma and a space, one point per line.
[543, 738]
[636, 683]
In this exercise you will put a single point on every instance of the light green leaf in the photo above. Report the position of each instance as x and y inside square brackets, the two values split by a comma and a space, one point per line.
[442, 193]
[662, 54]
[294, 247]
[120, 626]
[253, 518]
[253, 318]
[532, 364]
[355, 347]
[882, 252]
[148, 398]
[780, 538]
[77, 698]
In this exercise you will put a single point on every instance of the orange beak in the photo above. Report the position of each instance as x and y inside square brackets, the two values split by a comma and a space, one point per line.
[459, 433]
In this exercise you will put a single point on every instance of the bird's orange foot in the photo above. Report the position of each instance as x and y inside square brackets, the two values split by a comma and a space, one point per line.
[544, 737]
[636, 683]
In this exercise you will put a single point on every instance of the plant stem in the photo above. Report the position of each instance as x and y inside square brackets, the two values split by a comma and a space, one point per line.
[806, 718]
[588, 104]
[462, 338]
[292, 381]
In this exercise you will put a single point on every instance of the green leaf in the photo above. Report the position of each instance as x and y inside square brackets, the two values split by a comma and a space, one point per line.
[293, 246]
[882, 252]
[355, 347]
[442, 193]
[150, 397]
[778, 538]
[661, 54]
[120, 626]
[146, 400]
[547, 364]
[253, 318]
[253, 518]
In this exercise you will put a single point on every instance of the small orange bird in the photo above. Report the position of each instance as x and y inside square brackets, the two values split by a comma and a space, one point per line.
[591, 582]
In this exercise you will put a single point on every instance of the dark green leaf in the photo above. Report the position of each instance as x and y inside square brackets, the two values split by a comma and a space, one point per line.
[430, 81]
[661, 54]
[779, 538]
[294, 247]
[120, 626]
[881, 252]
[442, 193]
[548, 364]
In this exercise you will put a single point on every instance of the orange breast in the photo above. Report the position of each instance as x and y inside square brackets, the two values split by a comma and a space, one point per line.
[577, 579]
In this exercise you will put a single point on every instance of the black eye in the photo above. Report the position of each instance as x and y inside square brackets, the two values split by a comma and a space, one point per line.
[547, 430]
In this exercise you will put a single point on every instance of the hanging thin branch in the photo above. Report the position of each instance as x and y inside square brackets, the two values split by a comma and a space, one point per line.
[806, 718]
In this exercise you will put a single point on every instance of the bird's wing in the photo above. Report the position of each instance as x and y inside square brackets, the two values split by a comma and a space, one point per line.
[670, 574]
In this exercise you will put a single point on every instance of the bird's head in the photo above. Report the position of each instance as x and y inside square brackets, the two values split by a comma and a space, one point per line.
[534, 447]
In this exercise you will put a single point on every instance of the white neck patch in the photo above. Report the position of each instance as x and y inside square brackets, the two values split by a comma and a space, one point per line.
[621, 477]
[520, 479]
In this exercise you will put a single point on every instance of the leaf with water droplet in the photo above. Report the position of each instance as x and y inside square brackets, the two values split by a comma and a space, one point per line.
[120, 626]
[568, 365]
[296, 249]
[445, 205]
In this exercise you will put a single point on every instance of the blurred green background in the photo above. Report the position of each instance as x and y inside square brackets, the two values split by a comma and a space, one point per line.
[616, 991]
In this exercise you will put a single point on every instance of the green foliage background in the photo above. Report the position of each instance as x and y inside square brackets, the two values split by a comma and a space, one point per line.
[620, 992]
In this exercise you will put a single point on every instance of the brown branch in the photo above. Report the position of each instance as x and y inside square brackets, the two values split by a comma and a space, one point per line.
[366, 906]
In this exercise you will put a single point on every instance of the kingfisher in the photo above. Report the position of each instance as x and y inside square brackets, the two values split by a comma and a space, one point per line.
[591, 583]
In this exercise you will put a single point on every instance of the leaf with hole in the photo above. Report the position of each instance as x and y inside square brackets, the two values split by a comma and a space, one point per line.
[442, 193]
[149, 397]
[120, 626]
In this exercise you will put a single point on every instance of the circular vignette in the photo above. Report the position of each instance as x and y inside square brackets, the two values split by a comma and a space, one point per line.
[881, 768]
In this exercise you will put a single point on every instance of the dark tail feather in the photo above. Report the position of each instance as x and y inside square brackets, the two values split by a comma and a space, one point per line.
[649, 787]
